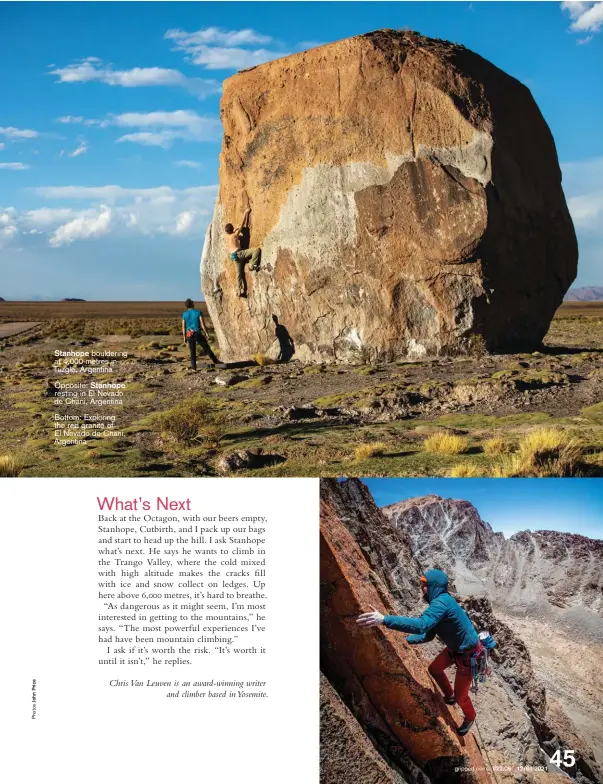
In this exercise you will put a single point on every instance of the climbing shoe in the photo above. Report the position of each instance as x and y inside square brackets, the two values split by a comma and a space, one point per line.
[450, 700]
[465, 727]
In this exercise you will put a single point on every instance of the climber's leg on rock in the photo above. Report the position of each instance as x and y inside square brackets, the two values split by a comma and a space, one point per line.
[254, 261]
[252, 255]
[436, 669]
[462, 684]
[241, 280]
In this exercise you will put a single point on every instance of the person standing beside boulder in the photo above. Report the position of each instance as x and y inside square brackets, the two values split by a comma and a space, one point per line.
[235, 238]
[194, 331]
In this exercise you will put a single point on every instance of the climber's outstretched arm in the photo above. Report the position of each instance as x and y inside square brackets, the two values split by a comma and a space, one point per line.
[245, 221]
[427, 621]
[422, 628]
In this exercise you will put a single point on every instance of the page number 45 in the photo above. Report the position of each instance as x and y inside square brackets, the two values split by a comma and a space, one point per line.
[568, 761]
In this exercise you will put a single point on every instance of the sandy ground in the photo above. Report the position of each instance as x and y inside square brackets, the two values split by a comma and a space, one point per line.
[16, 327]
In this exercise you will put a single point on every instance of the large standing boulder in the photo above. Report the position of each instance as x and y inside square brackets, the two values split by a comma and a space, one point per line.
[407, 198]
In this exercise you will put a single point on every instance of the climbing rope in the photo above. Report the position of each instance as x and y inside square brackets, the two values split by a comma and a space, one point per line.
[486, 750]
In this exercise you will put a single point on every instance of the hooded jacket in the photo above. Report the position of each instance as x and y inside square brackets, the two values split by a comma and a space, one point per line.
[444, 617]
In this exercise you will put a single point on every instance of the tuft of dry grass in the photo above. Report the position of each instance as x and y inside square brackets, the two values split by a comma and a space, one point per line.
[9, 466]
[546, 452]
[446, 444]
[467, 471]
[366, 451]
[191, 421]
[496, 446]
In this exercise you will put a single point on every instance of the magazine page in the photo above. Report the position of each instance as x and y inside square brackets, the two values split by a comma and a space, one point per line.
[160, 629]
[461, 634]
[301, 391]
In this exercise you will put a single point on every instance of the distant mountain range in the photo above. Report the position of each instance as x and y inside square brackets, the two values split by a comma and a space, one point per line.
[545, 571]
[585, 294]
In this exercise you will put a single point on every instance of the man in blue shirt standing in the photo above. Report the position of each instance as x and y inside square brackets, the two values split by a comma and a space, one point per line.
[194, 331]
[445, 618]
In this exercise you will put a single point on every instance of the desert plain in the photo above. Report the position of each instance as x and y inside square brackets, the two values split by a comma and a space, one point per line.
[536, 414]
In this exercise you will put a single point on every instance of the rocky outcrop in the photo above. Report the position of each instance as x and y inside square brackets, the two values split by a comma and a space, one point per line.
[377, 673]
[541, 570]
[346, 754]
[407, 198]
[553, 729]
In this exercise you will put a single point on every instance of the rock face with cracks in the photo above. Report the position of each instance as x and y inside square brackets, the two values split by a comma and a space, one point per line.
[407, 198]
[379, 673]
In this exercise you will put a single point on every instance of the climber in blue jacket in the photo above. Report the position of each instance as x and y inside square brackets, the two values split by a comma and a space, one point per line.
[445, 618]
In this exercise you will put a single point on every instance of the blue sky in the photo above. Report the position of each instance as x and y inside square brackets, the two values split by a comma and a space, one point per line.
[511, 505]
[110, 133]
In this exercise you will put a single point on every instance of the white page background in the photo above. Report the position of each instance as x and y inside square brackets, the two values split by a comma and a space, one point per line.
[87, 732]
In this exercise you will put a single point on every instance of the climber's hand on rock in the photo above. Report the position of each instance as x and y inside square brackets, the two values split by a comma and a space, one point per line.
[370, 619]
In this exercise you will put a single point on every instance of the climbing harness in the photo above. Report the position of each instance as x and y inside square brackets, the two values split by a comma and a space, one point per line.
[480, 664]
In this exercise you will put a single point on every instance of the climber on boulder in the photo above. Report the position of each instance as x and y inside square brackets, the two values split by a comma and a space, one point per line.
[445, 618]
[235, 239]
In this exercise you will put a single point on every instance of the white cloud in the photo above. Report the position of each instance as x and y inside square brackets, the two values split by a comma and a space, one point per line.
[151, 139]
[111, 210]
[14, 166]
[86, 226]
[83, 121]
[575, 8]
[188, 164]
[165, 127]
[217, 35]
[18, 133]
[583, 187]
[218, 49]
[161, 129]
[587, 17]
[231, 59]
[7, 233]
[91, 69]
[83, 147]
[2, 145]
[184, 118]
[7, 216]
[8, 228]
[587, 211]
[104, 193]
[46, 216]
[184, 221]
